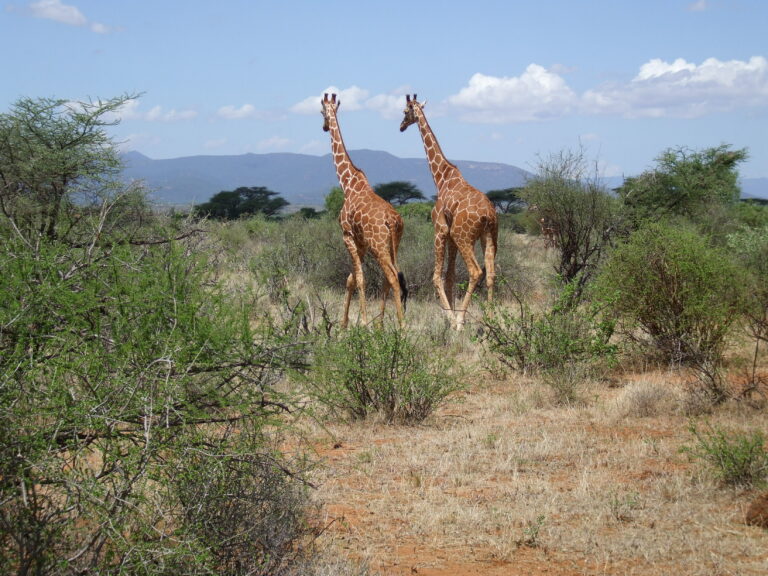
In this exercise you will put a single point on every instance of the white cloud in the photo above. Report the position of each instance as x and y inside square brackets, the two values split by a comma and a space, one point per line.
[353, 98]
[64, 13]
[388, 105]
[99, 28]
[157, 114]
[660, 88]
[233, 113]
[698, 6]
[55, 10]
[657, 68]
[683, 89]
[536, 94]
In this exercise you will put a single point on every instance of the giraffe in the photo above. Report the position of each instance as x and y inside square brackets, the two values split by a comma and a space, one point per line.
[368, 222]
[548, 229]
[549, 233]
[462, 215]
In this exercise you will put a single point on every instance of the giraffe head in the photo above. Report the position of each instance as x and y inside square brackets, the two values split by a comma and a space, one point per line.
[330, 106]
[410, 114]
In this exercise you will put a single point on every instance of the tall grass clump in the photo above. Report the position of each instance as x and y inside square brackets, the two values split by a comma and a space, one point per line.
[736, 459]
[380, 371]
[565, 345]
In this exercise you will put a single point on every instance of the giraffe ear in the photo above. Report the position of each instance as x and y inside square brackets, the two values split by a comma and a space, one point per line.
[338, 104]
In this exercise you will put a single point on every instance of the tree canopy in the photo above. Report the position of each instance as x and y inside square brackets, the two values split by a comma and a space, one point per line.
[399, 192]
[506, 200]
[244, 201]
[55, 158]
[684, 183]
[581, 213]
[334, 201]
[135, 391]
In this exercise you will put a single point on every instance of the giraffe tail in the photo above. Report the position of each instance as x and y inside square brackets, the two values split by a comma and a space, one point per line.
[403, 289]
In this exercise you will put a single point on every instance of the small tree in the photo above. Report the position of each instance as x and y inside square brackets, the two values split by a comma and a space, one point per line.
[56, 161]
[399, 193]
[244, 201]
[507, 200]
[750, 246]
[135, 392]
[666, 281]
[380, 371]
[581, 213]
[334, 201]
[684, 183]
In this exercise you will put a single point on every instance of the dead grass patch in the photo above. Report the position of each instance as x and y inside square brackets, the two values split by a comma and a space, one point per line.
[502, 481]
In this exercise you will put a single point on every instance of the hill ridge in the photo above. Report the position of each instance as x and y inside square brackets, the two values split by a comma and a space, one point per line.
[305, 179]
[302, 179]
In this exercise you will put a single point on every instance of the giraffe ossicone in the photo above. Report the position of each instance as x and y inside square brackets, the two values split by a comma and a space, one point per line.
[462, 215]
[368, 223]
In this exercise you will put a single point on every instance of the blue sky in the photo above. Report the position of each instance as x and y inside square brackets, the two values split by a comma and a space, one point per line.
[505, 81]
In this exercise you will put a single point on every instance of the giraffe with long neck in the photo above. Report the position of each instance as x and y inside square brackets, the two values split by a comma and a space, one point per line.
[368, 222]
[462, 215]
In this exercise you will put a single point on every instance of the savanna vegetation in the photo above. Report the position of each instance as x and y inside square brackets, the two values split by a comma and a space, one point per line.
[176, 395]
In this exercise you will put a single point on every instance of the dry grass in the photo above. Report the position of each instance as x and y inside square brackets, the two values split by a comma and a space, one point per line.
[503, 477]
[506, 480]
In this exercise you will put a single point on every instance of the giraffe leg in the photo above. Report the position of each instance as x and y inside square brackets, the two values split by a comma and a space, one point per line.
[350, 289]
[490, 263]
[450, 273]
[355, 280]
[437, 277]
[385, 290]
[392, 281]
[475, 273]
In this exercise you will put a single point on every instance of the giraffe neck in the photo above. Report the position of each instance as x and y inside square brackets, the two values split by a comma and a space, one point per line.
[441, 169]
[348, 174]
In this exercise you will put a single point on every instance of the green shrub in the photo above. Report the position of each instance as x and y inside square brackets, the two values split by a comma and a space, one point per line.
[240, 507]
[666, 281]
[550, 340]
[380, 371]
[138, 416]
[750, 246]
[113, 362]
[737, 459]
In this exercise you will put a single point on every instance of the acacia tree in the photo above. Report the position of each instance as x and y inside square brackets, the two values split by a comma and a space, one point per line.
[506, 200]
[583, 216]
[244, 201]
[668, 283]
[134, 391]
[399, 193]
[685, 183]
[55, 160]
[334, 201]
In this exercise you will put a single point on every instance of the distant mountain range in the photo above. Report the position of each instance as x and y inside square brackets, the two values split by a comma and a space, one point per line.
[305, 180]
[302, 179]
